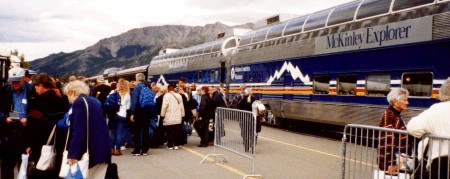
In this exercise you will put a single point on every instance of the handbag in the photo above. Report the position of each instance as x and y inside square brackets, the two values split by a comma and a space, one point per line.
[48, 154]
[83, 164]
[23, 167]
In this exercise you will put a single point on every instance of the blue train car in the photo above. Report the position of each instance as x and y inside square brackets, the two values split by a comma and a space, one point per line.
[334, 66]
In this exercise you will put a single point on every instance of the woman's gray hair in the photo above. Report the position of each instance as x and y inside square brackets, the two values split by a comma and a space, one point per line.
[78, 87]
[140, 77]
[396, 93]
[444, 92]
[163, 89]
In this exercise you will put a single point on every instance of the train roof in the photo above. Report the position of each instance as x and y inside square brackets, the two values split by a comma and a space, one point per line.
[341, 14]
[205, 48]
[138, 69]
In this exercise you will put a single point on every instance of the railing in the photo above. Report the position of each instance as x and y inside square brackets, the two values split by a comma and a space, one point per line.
[376, 152]
[235, 131]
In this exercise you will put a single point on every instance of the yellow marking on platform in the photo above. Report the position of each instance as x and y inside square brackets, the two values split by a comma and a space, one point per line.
[229, 168]
[304, 148]
[312, 150]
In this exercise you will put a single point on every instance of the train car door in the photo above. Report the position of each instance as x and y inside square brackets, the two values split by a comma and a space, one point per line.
[288, 85]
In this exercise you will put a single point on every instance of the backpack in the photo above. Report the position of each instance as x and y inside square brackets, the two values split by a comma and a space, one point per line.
[112, 104]
[146, 98]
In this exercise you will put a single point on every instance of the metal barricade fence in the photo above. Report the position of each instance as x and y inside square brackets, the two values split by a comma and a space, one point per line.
[373, 152]
[235, 131]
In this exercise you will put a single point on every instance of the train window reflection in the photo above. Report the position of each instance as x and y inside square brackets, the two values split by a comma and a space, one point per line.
[295, 26]
[200, 76]
[343, 13]
[346, 85]
[321, 85]
[405, 4]
[373, 7]
[216, 75]
[378, 84]
[230, 44]
[317, 20]
[418, 84]
[211, 76]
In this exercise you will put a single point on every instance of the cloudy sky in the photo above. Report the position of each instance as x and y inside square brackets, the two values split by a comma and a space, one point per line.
[38, 28]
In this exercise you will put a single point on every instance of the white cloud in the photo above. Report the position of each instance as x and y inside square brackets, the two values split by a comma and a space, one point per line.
[39, 28]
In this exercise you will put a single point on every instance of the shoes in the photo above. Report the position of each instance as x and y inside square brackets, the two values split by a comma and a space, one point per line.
[170, 148]
[118, 153]
[135, 153]
[123, 148]
[176, 147]
[144, 153]
[210, 143]
[202, 145]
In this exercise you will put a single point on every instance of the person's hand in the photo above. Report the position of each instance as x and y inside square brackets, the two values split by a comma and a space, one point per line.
[28, 150]
[392, 170]
[262, 119]
[8, 120]
[24, 121]
[132, 118]
[71, 161]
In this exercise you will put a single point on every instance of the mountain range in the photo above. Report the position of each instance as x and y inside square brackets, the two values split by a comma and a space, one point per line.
[133, 48]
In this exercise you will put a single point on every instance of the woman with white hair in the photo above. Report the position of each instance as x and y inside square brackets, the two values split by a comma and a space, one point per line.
[436, 121]
[86, 118]
[390, 144]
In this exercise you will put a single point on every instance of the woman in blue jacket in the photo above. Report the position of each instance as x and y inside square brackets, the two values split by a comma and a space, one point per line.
[83, 123]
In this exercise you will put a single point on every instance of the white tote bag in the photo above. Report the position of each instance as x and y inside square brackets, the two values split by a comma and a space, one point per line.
[48, 155]
[84, 161]
[23, 167]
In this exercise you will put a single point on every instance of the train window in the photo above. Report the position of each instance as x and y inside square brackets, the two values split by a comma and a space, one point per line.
[276, 31]
[295, 26]
[216, 75]
[317, 20]
[343, 13]
[246, 39]
[418, 84]
[217, 46]
[373, 7]
[378, 84]
[405, 4]
[321, 85]
[230, 44]
[260, 35]
[200, 76]
[346, 85]
[211, 76]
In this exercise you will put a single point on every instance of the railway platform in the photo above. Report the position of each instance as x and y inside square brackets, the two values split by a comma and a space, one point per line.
[279, 154]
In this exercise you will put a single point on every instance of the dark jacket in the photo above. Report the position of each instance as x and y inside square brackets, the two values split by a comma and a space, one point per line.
[218, 100]
[244, 104]
[99, 149]
[206, 111]
[45, 110]
[104, 92]
[11, 135]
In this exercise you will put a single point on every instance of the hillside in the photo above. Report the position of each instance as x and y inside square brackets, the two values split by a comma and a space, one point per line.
[133, 48]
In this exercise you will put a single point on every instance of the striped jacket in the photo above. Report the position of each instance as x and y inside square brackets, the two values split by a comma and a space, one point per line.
[390, 143]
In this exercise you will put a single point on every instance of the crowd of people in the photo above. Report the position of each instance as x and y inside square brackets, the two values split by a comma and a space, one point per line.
[104, 119]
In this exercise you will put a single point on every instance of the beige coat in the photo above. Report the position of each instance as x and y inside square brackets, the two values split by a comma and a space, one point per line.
[172, 109]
